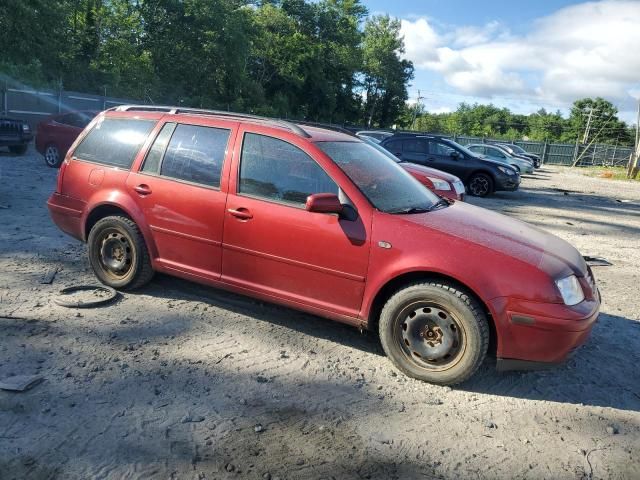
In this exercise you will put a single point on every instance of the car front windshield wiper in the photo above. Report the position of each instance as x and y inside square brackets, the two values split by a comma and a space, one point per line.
[409, 210]
[442, 202]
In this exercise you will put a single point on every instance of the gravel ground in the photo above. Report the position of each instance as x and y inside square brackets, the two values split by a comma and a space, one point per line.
[182, 381]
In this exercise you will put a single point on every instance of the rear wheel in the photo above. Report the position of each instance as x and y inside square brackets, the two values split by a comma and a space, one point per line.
[118, 253]
[52, 156]
[480, 185]
[19, 149]
[434, 332]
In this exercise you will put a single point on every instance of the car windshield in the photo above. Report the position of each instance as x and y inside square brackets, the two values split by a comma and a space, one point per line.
[518, 149]
[388, 186]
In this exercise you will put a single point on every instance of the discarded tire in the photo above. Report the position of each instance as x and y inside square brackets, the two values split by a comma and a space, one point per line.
[109, 294]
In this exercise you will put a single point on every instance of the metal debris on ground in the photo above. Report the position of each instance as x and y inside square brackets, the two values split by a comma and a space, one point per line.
[100, 295]
[597, 261]
[20, 383]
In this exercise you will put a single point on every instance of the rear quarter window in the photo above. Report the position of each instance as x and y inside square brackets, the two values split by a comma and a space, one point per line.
[114, 141]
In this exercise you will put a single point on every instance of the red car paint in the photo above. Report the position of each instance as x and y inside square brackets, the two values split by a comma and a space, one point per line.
[61, 130]
[424, 175]
[327, 265]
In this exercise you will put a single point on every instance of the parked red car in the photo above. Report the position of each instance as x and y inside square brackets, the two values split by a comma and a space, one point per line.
[57, 133]
[439, 182]
[322, 222]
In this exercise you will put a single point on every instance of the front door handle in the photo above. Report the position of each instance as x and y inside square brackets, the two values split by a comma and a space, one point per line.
[142, 189]
[241, 213]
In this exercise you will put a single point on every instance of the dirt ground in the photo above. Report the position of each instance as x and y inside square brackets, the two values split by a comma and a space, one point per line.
[181, 381]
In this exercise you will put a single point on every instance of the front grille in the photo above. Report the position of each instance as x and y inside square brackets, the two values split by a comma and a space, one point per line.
[10, 127]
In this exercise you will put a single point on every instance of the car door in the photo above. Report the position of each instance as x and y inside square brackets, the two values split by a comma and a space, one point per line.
[272, 245]
[179, 190]
[496, 154]
[416, 150]
[63, 132]
[395, 147]
[440, 155]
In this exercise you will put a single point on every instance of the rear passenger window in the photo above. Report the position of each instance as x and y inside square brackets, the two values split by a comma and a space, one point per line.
[114, 141]
[195, 154]
[276, 170]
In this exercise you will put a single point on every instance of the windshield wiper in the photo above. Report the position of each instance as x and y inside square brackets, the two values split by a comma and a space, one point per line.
[410, 210]
[442, 202]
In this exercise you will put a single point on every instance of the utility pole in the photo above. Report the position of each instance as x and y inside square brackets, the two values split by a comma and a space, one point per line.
[632, 170]
[415, 111]
[586, 130]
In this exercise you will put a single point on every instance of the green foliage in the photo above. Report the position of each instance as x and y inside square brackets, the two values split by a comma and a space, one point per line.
[282, 57]
[493, 122]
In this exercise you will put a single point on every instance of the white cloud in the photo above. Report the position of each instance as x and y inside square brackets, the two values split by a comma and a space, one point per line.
[589, 49]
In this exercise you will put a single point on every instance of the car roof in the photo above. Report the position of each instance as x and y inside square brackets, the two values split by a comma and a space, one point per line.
[312, 133]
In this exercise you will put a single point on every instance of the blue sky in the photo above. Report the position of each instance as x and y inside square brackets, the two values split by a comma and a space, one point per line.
[521, 54]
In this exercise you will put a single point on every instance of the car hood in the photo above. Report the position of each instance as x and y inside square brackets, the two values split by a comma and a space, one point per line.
[506, 235]
[414, 168]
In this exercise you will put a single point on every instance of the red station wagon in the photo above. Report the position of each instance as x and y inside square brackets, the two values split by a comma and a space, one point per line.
[322, 222]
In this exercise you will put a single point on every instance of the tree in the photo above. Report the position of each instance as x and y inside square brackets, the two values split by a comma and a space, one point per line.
[604, 122]
[386, 74]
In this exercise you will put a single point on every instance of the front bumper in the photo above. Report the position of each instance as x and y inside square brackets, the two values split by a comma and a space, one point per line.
[533, 334]
[13, 140]
[507, 183]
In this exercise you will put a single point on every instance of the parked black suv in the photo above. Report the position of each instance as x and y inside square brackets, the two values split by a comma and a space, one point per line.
[15, 134]
[481, 176]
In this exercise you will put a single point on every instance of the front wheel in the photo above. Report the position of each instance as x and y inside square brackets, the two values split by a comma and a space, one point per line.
[118, 253]
[434, 332]
[480, 185]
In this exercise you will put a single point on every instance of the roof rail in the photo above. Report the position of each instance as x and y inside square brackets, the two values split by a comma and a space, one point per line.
[200, 111]
[327, 126]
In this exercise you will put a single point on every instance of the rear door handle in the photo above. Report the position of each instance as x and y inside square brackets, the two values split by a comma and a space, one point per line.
[241, 213]
[142, 189]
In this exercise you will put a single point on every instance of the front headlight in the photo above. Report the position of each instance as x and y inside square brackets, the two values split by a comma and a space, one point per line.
[439, 184]
[507, 170]
[570, 289]
[25, 127]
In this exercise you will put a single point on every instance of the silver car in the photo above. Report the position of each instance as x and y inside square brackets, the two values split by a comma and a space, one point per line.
[499, 155]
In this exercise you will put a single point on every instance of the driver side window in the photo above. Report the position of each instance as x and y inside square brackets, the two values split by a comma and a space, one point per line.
[494, 152]
[441, 149]
[276, 170]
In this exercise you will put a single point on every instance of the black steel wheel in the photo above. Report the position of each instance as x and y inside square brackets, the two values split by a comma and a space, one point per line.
[434, 332]
[118, 253]
[52, 156]
[480, 185]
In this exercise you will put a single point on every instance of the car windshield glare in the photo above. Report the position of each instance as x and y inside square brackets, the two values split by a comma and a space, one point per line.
[386, 184]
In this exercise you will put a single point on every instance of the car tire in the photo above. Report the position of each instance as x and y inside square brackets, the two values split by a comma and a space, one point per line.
[19, 149]
[52, 156]
[118, 253]
[480, 185]
[435, 332]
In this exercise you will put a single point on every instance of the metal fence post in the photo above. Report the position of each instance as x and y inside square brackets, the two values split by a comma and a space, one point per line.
[545, 147]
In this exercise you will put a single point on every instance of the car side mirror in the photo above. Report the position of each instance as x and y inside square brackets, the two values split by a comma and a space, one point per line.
[323, 203]
[454, 154]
